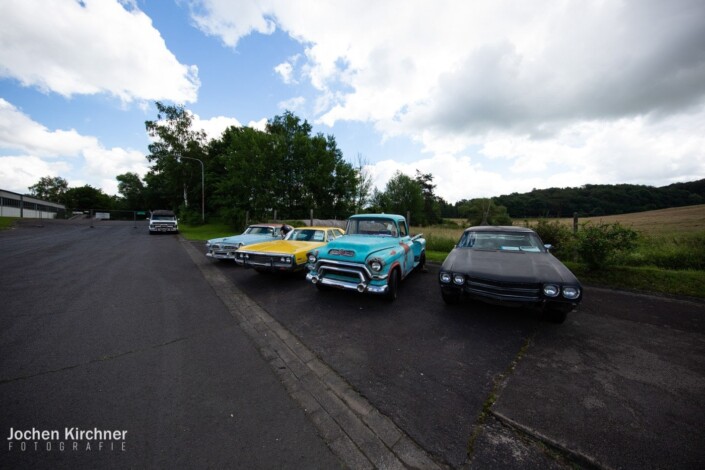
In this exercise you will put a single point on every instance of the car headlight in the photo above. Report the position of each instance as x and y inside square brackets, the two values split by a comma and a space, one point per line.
[376, 265]
[550, 290]
[445, 278]
[312, 258]
[459, 279]
[571, 292]
[285, 260]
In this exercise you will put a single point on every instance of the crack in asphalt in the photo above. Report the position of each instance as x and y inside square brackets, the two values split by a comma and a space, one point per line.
[499, 382]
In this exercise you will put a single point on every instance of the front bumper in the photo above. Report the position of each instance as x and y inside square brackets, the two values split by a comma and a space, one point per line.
[269, 262]
[347, 275]
[513, 299]
[221, 255]
[163, 228]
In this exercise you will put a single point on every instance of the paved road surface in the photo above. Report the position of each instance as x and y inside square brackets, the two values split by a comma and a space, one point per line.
[109, 327]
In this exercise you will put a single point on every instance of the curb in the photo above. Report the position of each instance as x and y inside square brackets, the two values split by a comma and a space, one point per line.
[353, 429]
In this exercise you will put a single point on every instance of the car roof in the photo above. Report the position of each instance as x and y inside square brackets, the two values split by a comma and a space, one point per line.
[317, 227]
[499, 228]
[378, 216]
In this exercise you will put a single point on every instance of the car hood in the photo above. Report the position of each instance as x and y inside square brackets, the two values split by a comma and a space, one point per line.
[361, 245]
[288, 247]
[244, 239]
[508, 266]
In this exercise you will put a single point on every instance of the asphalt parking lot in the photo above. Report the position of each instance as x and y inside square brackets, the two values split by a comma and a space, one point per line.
[616, 386]
[110, 327]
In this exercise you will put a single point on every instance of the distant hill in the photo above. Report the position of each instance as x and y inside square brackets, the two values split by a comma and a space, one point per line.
[601, 199]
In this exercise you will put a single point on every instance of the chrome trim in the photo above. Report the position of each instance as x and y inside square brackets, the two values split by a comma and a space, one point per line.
[358, 287]
[359, 266]
[354, 272]
[266, 253]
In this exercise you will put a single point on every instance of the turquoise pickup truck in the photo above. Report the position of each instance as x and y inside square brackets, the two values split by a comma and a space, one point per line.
[373, 256]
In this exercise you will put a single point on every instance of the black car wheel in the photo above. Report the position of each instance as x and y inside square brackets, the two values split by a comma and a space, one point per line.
[393, 285]
[421, 267]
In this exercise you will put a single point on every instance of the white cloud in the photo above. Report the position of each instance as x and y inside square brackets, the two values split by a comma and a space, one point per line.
[286, 70]
[18, 173]
[293, 104]
[77, 158]
[19, 132]
[215, 126]
[101, 166]
[232, 21]
[101, 46]
[502, 95]
[260, 125]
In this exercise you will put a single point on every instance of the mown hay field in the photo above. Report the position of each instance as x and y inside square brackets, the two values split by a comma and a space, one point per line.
[676, 220]
[673, 221]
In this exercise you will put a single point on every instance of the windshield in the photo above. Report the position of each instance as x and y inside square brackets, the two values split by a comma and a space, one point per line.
[372, 227]
[502, 241]
[259, 230]
[163, 217]
[306, 235]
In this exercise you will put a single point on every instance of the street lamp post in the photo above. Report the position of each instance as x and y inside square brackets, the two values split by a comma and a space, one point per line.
[203, 187]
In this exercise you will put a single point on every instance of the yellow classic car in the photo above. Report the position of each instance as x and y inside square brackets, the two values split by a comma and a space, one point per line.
[288, 254]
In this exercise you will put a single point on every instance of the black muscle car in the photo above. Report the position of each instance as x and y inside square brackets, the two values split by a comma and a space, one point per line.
[509, 266]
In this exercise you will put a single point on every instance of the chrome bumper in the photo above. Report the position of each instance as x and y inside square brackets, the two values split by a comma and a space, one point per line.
[360, 286]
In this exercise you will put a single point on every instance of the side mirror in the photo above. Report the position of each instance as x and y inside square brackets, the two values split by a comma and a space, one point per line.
[548, 247]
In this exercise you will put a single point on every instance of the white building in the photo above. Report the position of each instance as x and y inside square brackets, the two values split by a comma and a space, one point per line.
[19, 205]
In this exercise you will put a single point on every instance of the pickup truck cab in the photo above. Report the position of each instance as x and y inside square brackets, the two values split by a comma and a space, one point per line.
[373, 256]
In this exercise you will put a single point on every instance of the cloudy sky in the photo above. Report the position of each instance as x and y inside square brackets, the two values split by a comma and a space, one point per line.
[490, 96]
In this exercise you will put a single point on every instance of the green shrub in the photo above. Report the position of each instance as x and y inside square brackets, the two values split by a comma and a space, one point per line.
[559, 236]
[600, 244]
[234, 217]
[189, 216]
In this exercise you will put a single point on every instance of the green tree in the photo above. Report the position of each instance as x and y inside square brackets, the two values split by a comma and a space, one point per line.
[173, 180]
[243, 174]
[132, 189]
[87, 198]
[484, 211]
[403, 194]
[285, 168]
[432, 207]
[50, 188]
[363, 187]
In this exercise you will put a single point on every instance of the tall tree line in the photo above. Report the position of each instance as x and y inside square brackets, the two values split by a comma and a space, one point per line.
[285, 168]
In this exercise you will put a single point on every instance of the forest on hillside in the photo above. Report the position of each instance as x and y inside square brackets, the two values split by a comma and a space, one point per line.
[595, 200]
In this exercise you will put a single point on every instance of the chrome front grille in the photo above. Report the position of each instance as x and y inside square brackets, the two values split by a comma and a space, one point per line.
[500, 290]
[342, 271]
